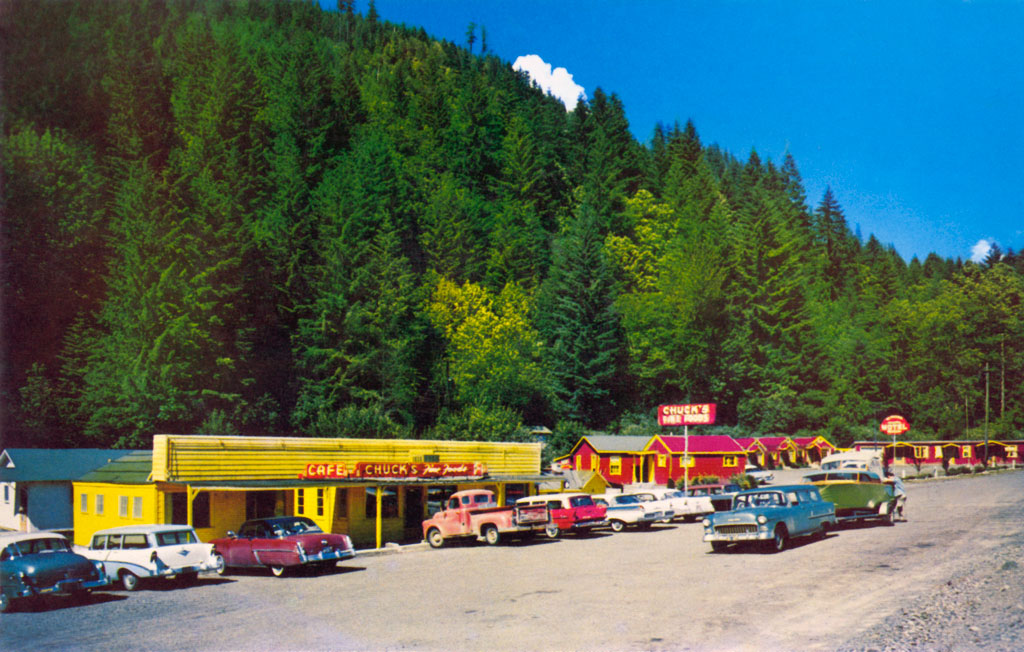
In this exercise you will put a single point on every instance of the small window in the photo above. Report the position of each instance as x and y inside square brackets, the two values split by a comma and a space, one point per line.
[662, 460]
[137, 507]
[730, 460]
[920, 452]
[99, 504]
[966, 450]
[1011, 452]
[175, 538]
[135, 542]
[83, 503]
[320, 501]
[300, 501]
[122, 506]
[7, 494]
[595, 463]
[99, 542]
[615, 466]
[114, 542]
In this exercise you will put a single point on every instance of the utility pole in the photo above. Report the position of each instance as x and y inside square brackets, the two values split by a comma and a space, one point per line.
[985, 458]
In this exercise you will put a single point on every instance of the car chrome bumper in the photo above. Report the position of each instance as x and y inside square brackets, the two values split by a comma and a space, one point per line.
[329, 555]
[760, 535]
[63, 587]
[579, 525]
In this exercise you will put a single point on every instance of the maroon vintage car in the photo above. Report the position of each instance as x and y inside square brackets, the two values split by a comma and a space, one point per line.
[280, 543]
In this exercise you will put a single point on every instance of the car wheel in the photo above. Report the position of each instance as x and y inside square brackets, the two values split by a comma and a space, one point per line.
[129, 580]
[491, 535]
[435, 538]
[617, 526]
[719, 546]
[552, 531]
[779, 539]
[218, 564]
[277, 570]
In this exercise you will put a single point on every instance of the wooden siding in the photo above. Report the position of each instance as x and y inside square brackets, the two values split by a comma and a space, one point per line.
[193, 458]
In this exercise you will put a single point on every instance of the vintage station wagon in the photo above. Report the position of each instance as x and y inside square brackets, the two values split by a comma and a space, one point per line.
[770, 517]
[133, 552]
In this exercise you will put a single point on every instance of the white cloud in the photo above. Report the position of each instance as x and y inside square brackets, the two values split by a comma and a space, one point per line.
[557, 82]
[980, 250]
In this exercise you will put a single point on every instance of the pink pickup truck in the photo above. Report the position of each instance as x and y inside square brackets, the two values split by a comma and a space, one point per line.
[475, 513]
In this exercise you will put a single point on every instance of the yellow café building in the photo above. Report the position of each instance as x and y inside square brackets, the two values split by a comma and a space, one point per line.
[374, 490]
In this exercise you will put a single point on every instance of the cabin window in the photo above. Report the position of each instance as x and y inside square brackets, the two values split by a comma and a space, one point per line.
[662, 460]
[83, 503]
[687, 461]
[595, 462]
[579, 462]
[122, 506]
[966, 451]
[320, 502]
[99, 504]
[729, 460]
[7, 494]
[938, 452]
[300, 501]
[920, 452]
[615, 466]
[137, 507]
[1011, 452]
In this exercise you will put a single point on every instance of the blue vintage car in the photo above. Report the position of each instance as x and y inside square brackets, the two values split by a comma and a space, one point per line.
[42, 563]
[770, 517]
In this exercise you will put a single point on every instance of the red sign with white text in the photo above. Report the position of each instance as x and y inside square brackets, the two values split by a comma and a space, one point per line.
[324, 471]
[894, 425]
[699, 414]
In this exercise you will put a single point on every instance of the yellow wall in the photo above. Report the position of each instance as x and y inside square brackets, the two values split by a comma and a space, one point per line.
[87, 522]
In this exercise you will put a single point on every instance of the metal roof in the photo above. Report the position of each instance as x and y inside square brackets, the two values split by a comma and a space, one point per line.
[52, 464]
[617, 443]
[131, 467]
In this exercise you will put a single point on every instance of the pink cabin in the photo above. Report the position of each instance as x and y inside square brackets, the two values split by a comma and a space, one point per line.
[962, 452]
[811, 450]
[677, 457]
[779, 452]
[618, 459]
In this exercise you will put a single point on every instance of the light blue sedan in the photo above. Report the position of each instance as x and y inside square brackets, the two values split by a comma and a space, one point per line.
[770, 518]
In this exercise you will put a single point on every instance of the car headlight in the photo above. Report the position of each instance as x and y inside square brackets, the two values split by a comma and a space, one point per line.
[706, 522]
[762, 519]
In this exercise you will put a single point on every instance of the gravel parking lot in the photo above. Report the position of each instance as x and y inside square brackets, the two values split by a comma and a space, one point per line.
[949, 578]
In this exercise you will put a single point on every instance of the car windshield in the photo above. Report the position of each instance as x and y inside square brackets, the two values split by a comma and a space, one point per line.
[627, 500]
[760, 499]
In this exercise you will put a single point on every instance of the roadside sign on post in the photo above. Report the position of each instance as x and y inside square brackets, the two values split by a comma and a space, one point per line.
[691, 414]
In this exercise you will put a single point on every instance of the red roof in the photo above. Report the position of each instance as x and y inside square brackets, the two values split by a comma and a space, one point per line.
[748, 443]
[804, 442]
[703, 444]
[773, 444]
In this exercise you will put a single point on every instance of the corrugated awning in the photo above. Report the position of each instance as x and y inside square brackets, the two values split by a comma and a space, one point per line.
[268, 485]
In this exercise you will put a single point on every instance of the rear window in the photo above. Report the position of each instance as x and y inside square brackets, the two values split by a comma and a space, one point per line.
[33, 546]
[175, 538]
[581, 501]
[481, 498]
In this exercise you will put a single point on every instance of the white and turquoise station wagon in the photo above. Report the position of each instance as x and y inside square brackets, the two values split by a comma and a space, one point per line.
[133, 552]
[770, 517]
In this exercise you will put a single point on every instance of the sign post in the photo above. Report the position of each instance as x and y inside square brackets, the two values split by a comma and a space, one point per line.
[686, 415]
[894, 425]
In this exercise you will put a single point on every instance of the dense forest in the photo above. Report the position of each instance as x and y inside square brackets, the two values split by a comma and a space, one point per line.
[264, 218]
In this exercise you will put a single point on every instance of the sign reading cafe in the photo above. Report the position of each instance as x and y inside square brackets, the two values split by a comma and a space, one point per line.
[322, 471]
[699, 414]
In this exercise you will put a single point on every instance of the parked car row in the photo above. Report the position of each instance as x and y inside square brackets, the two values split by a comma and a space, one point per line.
[44, 563]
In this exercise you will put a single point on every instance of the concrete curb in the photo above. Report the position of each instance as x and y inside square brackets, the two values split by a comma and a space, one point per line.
[391, 549]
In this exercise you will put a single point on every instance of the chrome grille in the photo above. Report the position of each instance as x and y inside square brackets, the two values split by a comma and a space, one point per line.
[742, 528]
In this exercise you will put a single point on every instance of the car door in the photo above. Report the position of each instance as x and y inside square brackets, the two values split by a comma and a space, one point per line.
[239, 550]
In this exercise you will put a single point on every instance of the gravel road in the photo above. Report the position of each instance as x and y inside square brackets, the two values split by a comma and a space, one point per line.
[948, 578]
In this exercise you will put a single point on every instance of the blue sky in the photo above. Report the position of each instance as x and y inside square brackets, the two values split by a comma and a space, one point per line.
[911, 111]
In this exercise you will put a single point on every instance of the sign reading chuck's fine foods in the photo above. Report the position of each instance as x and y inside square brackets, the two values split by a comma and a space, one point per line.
[698, 414]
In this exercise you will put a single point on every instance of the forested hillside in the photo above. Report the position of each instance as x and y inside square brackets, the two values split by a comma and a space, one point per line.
[264, 218]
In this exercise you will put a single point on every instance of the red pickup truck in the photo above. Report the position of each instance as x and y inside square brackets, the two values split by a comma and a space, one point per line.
[475, 513]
